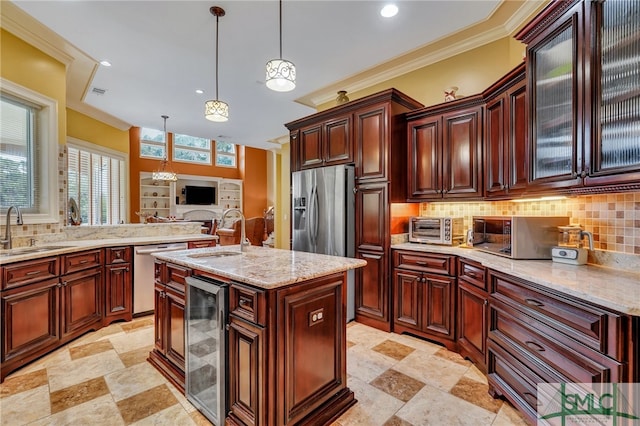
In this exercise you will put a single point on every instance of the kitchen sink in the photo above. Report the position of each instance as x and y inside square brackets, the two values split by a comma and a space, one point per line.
[29, 250]
[215, 254]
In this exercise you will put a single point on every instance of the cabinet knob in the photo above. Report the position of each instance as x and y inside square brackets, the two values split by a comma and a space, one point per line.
[444, 191]
[355, 190]
[65, 283]
[583, 174]
[502, 187]
[59, 285]
[574, 174]
[126, 269]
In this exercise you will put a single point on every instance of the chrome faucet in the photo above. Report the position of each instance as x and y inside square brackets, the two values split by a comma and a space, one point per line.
[244, 242]
[6, 242]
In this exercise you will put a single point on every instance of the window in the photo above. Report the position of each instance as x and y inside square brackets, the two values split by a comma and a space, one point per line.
[191, 149]
[225, 154]
[28, 153]
[152, 143]
[97, 181]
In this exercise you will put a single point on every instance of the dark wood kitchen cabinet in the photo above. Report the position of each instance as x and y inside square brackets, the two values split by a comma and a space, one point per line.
[506, 165]
[118, 285]
[472, 312]
[81, 293]
[326, 143]
[379, 152]
[169, 347]
[30, 297]
[582, 64]
[445, 151]
[539, 336]
[424, 295]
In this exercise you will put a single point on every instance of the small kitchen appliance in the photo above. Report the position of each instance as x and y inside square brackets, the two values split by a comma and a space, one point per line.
[570, 248]
[436, 230]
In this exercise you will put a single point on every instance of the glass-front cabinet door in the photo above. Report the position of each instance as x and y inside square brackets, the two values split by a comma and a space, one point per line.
[554, 63]
[615, 83]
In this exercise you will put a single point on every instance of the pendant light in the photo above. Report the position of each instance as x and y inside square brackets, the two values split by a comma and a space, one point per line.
[215, 109]
[281, 74]
[165, 173]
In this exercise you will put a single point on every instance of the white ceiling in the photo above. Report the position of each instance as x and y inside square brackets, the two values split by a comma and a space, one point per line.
[162, 51]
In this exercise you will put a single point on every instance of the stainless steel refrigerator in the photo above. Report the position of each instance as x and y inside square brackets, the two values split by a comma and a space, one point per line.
[324, 216]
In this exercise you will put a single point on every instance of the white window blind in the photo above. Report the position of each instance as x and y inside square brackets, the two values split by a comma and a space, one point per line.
[19, 177]
[96, 180]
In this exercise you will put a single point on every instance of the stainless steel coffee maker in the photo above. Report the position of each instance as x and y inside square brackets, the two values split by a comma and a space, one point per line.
[570, 248]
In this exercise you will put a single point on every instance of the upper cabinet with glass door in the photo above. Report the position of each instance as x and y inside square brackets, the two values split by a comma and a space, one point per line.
[583, 60]
[614, 123]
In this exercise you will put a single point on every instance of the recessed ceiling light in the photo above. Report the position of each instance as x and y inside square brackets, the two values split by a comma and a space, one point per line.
[389, 10]
[105, 63]
[199, 91]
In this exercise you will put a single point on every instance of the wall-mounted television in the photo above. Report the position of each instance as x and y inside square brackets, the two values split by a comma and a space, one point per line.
[202, 195]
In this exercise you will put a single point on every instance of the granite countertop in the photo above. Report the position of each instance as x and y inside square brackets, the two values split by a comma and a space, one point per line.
[607, 287]
[72, 246]
[262, 267]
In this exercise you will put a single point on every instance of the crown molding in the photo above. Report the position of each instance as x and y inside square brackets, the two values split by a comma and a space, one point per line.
[17, 22]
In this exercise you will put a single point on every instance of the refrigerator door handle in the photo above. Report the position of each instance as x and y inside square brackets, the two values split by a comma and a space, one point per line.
[312, 218]
[316, 215]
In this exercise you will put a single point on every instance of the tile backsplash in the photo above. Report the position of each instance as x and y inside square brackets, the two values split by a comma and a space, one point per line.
[613, 219]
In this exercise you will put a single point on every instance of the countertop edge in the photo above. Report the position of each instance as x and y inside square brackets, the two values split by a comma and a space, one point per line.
[81, 245]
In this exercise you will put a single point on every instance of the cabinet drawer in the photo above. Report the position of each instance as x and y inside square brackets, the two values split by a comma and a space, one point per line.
[587, 324]
[201, 244]
[81, 261]
[513, 379]
[29, 271]
[118, 255]
[425, 262]
[248, 303]
[176, 277]
[569, 359]
[473, 273]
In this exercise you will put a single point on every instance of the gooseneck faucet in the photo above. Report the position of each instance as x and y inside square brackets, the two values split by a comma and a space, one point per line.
[6, 242]
[244, 242]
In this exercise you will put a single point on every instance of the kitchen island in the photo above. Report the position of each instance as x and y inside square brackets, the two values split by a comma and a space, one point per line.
[286, 330]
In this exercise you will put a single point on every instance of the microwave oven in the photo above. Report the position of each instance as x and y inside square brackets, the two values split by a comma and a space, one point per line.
[517, 237]
[436, 230]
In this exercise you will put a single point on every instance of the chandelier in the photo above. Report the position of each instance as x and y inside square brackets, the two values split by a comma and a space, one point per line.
[281, 74]
[215, 109]
[165, 172]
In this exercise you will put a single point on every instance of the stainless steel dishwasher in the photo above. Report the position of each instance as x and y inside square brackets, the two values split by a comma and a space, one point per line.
[143, 274]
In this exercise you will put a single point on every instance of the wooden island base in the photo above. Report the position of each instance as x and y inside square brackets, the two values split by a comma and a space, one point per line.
[287, 342]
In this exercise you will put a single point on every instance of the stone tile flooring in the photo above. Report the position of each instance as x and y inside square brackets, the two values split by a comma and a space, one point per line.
[103, 378]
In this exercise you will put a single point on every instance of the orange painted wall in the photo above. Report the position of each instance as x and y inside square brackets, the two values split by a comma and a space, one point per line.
[255, 181]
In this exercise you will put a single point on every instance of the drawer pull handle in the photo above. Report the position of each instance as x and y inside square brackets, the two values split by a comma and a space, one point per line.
[421, 262]
[531, 398]
[30, 273]
[534, 345]
[533, 302]
[83, 261]
[472, 274]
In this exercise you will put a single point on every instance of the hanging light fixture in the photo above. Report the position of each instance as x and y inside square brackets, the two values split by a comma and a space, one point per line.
[215, 109]
[281, 74]
[165, 172]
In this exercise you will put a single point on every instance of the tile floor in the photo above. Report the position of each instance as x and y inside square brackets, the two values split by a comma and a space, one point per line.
[103, 378]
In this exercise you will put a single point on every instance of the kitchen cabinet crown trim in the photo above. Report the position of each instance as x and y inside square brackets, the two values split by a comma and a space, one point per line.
[384, 96]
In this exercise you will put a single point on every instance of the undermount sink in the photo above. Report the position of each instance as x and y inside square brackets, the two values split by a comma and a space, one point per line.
[215, 254]
[29, 250]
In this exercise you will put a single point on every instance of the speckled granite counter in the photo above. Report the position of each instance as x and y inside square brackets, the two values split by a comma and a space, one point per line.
[262, 267]
[71, 246]
[607, 287]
